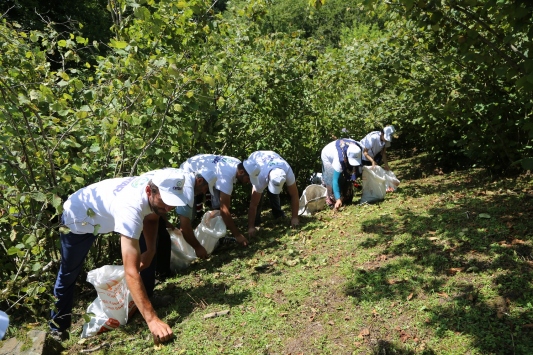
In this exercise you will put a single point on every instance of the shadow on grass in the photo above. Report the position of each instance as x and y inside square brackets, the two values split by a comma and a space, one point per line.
[447, 247]
[384, 347]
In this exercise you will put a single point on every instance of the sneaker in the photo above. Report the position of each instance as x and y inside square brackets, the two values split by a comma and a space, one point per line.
[59, 335]
[228, 240]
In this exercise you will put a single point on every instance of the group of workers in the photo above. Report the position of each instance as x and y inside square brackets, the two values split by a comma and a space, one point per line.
[133, 207]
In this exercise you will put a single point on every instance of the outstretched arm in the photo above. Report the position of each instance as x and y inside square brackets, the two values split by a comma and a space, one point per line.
[295, 204]
[384, 157]
[131, 257]
[368, 157]
[188, 235]
[252, 210]
[225, 201]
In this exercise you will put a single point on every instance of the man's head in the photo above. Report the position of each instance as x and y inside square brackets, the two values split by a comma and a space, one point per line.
[386, 134]
[354, 155]
[242, 175]
[167, 189]
[205, 181]
[276, 179]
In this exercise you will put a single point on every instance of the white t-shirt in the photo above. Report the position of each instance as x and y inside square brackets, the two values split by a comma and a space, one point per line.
[373, 143]
[118, 205]
[224, 167]
[268, 160]
[331, 156]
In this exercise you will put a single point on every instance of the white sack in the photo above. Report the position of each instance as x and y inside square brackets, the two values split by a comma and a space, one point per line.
[208, 232]
[392, 182]
[313, 199]
[114, 303]
[374, 180]
[181, 253]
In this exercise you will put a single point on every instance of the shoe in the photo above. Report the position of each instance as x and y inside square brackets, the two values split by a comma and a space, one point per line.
[59, 335]
[228, 240]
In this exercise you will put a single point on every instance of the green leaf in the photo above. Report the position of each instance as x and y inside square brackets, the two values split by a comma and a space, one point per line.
[484, 215]
[12, 251]
[90, 212]
[56, 201]
[39, 196]
[142, 13]
[118, 44]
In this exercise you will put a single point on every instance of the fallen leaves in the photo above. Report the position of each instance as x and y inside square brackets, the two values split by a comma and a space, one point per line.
[364, 333]
[455, 270]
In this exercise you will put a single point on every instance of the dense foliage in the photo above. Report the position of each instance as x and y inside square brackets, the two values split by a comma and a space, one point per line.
[178, 78]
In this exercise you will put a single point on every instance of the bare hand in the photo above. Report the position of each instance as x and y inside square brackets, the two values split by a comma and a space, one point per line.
[251, 232]
[161, 332]
[146, 260]
[201, 252]
[295, 222]
[242, 240]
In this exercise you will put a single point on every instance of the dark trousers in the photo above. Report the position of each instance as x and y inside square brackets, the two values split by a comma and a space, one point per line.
[74, 250]
[275, 205]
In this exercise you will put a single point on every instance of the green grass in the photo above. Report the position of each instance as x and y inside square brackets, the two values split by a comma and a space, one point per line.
[420, 273]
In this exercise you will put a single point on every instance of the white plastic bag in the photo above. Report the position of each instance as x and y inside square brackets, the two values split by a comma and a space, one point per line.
[391, 181]
[374, 180]
[181, 252]
[313, 199]
[114, 304]
[377, 182]
[208, 232]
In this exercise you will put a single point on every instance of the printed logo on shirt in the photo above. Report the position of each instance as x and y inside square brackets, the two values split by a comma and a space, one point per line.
[220, 158]
[274, 163]
[141, 180]
[122, 185]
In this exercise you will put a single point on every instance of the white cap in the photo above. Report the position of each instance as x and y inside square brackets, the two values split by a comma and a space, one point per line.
[354, 155]
[276, 181]
[210, 177]
[4, 323]
[387, 133]
[171, 184]
[253, 170]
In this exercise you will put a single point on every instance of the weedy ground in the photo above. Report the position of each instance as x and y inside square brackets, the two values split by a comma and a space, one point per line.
[444, 265]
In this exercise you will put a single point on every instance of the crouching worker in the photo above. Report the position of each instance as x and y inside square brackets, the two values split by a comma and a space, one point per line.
[127, 206]
[201, 181]
[375, 146]
[267, 168]
[229, 171]
[341, 161]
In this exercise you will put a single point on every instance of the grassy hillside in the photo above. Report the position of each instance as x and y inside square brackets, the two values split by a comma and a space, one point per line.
[442, 266]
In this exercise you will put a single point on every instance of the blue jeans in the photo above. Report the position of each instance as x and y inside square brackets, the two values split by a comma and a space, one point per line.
[74, 250]
[275, 204]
